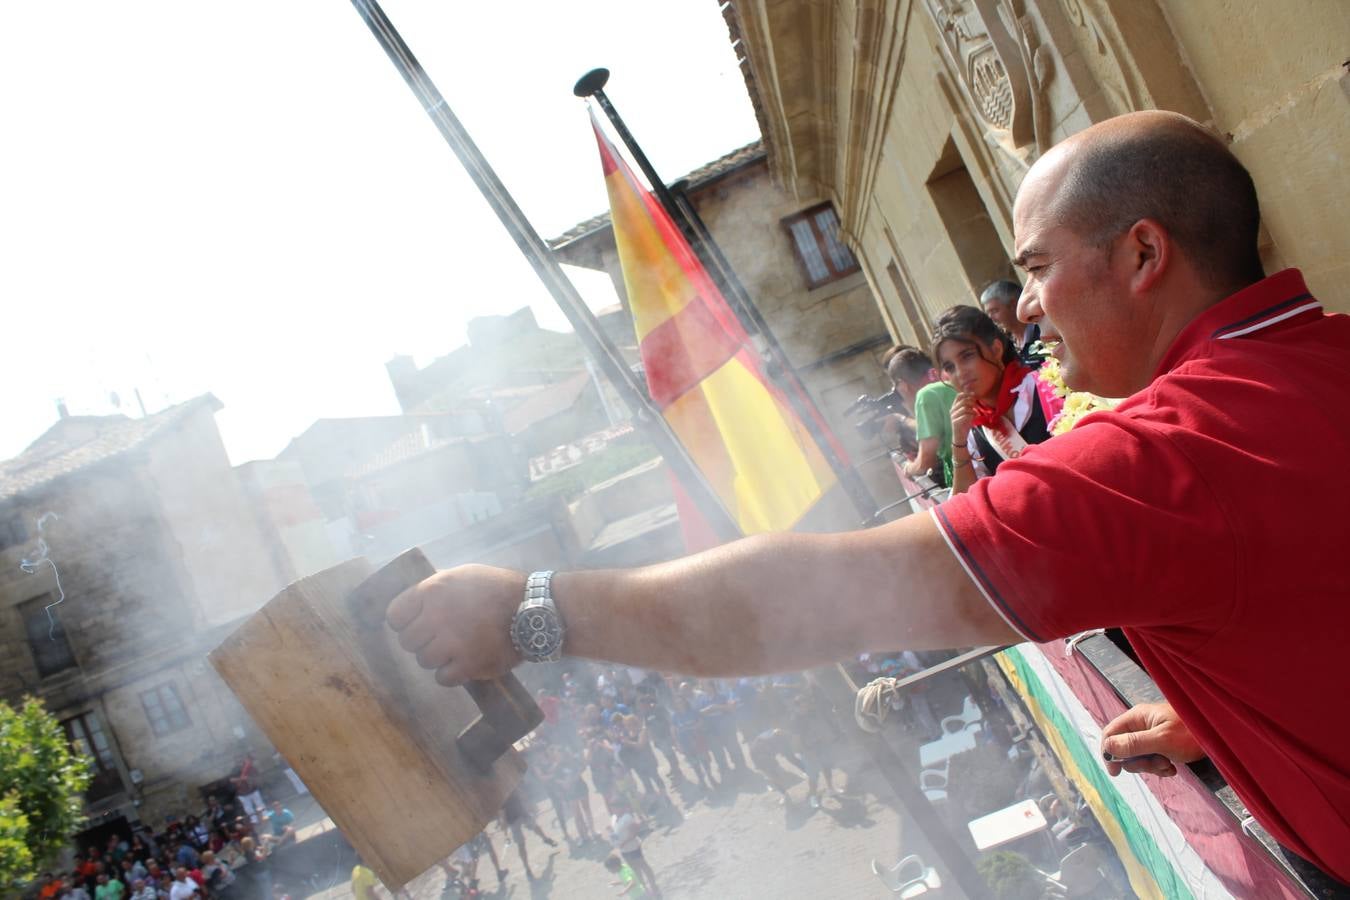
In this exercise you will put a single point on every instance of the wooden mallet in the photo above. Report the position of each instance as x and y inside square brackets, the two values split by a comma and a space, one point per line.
[407, 769]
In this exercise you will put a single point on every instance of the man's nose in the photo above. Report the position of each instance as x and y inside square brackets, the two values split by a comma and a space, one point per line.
[1029, 307]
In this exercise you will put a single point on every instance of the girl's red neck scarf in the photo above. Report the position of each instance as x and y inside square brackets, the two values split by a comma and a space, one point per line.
[993, 417]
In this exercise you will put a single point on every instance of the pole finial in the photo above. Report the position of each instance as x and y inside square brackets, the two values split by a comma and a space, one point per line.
[592, 81]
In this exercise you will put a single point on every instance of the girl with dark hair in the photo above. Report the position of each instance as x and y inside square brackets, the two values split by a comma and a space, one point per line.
[1001, 407]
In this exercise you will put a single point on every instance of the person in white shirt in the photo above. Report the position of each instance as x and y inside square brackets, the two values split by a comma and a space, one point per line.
[625, 835]
[184, 888]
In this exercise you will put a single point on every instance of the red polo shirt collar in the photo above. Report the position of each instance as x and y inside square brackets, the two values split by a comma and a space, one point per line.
[1280, 298]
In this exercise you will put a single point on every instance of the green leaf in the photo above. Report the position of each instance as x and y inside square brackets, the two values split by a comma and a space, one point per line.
[42, 783]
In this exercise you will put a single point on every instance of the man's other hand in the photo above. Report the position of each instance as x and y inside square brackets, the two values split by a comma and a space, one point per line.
[458, 622]
[1149, 739]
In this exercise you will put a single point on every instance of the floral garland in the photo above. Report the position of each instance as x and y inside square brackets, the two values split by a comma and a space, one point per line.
[1076, 403]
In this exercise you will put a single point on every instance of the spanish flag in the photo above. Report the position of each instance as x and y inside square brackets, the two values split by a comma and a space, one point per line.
[705, 375]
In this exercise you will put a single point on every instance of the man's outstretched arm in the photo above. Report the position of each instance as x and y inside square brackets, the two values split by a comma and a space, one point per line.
[764, 604]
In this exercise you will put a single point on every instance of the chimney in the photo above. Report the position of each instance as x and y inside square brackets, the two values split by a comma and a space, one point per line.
[403, 376]
[61, 408]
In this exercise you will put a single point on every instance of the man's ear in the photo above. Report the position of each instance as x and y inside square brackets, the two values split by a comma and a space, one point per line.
[1146, 254]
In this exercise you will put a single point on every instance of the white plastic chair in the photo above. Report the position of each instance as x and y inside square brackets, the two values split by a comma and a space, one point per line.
[908, 878]
[969, 719]
[933, 779]
[933, 783]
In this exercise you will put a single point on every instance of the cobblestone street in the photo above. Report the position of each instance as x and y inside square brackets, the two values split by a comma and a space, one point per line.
[737, 842]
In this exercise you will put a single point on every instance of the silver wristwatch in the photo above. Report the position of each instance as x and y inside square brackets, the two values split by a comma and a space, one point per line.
[537, 630]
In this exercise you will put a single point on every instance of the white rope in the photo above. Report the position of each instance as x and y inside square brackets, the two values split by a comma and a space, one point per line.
[30, 567]
[876, 700]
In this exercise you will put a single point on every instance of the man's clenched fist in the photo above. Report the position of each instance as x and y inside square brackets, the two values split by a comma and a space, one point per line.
[458, 622]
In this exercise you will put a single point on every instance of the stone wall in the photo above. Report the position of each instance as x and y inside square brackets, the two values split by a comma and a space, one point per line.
[1276, 77]
[176, 765]
[145, 544]
[903, 111]
[230, 566]
[122, 577]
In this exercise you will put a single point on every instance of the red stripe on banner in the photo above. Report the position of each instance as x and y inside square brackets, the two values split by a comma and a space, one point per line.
[706, 288]
[607, 163]
[683, 350]
[1208, 826]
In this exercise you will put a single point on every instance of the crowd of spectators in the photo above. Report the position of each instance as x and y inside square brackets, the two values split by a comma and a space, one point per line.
[220, 854]
[620, 748]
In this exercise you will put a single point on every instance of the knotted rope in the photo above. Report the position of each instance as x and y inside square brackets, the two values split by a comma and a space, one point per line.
[876, 700]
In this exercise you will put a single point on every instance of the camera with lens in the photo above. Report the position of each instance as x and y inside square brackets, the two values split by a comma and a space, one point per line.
[873, 412]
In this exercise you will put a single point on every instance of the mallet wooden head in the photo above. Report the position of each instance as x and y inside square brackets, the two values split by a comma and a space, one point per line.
[407, 769]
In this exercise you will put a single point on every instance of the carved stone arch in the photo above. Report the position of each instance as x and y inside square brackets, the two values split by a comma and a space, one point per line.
[988, 62]
[1106, 55]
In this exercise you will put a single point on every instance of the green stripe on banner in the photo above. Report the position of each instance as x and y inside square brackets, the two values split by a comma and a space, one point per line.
[1087, 761]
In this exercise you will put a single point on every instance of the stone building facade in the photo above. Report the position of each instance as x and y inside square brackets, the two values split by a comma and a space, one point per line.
[918, 119]
[156, 549]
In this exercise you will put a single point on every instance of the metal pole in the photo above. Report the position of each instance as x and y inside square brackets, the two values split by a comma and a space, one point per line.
[547, 268]
[592, 84]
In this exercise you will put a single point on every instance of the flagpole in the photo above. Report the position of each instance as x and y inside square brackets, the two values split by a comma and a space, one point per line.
[592, 85]
[546, 267]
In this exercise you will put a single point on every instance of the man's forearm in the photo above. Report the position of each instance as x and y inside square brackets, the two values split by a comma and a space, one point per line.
[925, 460]
[779, 602]
[764, 604]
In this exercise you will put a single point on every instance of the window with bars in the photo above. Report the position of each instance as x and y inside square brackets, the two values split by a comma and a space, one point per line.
[165, 710]
[815, 237]
[85, 733]
[46, 637]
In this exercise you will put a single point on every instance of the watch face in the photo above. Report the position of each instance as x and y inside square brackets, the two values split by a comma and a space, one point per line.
[537, 632]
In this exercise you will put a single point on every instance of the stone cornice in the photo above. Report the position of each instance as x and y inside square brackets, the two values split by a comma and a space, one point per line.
[791, 68]
[880, 30]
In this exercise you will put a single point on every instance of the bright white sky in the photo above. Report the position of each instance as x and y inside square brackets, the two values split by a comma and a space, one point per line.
[244, 198]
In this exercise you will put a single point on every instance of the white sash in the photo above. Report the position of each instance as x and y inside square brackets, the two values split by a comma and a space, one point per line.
[1008, 444]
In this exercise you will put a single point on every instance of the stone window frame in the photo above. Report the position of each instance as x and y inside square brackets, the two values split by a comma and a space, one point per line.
[86, 734]
[827, 259]
[48, 645]
[165, 710]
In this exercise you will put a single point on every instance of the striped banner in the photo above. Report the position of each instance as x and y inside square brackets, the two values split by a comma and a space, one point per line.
[705, 375]
[1142, 816]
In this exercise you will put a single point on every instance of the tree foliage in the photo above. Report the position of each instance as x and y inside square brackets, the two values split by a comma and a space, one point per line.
[1011, 876]
[42, 783]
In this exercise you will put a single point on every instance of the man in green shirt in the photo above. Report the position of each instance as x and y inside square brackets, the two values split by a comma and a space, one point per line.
[911, 371]
[108, 888]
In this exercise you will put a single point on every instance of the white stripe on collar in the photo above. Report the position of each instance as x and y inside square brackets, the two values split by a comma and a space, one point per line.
[1287, 314]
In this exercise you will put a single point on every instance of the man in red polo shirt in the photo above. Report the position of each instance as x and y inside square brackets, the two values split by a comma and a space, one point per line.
[1202, 516]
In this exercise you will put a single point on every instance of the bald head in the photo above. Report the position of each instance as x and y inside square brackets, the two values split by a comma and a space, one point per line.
[1161, 166]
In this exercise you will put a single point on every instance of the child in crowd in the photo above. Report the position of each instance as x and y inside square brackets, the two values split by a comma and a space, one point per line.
[628, 882]
[625, 835]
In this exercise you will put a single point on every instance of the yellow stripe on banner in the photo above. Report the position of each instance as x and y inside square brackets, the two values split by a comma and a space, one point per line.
[766, 470]
[1141, 880]
[657, 287]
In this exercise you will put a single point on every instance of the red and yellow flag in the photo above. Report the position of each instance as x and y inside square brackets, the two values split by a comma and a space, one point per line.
[705, 375]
